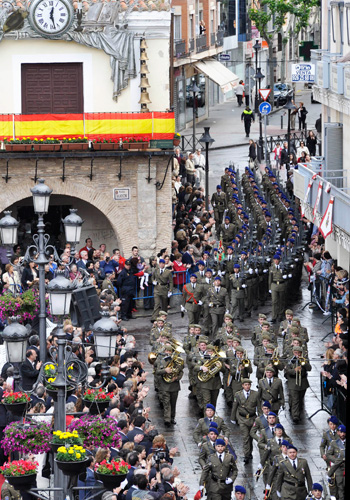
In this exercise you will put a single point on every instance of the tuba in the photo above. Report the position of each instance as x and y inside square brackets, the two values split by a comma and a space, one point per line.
[176, 364]
[152, 357]
[214, 365]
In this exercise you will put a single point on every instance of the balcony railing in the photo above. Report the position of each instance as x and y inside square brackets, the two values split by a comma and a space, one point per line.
[201, 43]
[212, 38]
[191, 45]
[180, 49]
[220, 38]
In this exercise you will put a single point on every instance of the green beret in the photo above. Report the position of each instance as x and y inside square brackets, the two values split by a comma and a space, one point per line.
[289, 311]
[297, 349]
[239, 349]
[266, 337]
[246, 381]
[270, 346]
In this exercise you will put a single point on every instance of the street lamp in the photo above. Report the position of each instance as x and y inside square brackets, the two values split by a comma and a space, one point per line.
[256, 47]
[290, 107]
[258, 77]
[8, 231]
[207, 140]
[41, 197]
[72, 228]
[194, 89]
[16, 338]
[105, 332]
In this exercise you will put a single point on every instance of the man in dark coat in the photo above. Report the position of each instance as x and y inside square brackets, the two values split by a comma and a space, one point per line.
[127, 286]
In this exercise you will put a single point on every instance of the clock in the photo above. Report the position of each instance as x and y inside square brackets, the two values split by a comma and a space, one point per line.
[51, 18]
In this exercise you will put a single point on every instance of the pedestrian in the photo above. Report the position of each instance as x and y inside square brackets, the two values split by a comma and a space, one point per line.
[247, 117]
[302, 149]
[190, 169]
[277, 155]
[239, 93]
[302, 112]
[252, 154]
[202, 28]
[199, 165]
[318, 124]
[126, 284]
[293, 115]
[311, 143]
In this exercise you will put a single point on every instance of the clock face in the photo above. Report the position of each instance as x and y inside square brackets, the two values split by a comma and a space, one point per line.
[51, 17]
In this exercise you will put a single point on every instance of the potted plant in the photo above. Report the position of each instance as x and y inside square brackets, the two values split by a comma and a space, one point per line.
[48, 144]
[20, 473]
[103, 144]
[15, 402]
[97, 400]
[112, 473]
[96, 432]
[24, 144]
[177, 139]
[25, 305]
[50, 372]
[25, 438]
[75, 143]
[71, 460]
[135, 143]
[60, 438]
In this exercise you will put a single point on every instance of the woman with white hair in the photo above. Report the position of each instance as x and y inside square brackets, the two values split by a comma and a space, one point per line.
[199, 164]
[191, 173]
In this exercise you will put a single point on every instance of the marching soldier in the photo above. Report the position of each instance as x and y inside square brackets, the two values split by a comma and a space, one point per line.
[207, 447]
[286, 323]
[270, 445]
[219, 204]
[189, 344]
[244, 413]
[198, 354]
[257, 330]
[291, 477]
[206, 284]
[240, 492]
[158, 329]
[261, 421]
[296, 374]
[269, 358]
[167, 324]
[237, 369]
[229, 263]
[219, 473]
[316, 492]
[218, 302]
[169, 382]
[266, 329]
[208, 385]
[328, 436]
[227, 337]
[192, 294]
[336, 454]
[201, 272]
[227, 232]
[205, 423]
[271, 390]
[272, 459]
[275, 431]
[163, 288]
[277, 285]
[238, 293]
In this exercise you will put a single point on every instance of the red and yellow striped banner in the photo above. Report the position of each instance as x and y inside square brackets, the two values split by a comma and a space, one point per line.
[153, 125]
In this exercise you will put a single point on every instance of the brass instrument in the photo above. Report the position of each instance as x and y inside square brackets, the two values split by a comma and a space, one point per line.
[152, 357]
[300, 362]
[214, 365]
[176, 364]
[275, 360]
[245, 361]
[175, 344]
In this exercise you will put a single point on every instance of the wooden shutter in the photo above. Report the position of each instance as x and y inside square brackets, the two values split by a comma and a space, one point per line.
[52, 88]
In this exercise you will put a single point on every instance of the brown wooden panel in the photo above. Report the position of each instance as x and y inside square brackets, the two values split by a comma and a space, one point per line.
[52, 88]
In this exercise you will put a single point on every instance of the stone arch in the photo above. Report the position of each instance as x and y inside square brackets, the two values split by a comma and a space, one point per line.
[16, 192]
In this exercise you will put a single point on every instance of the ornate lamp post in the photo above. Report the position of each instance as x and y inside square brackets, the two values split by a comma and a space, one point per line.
[290, 107]
[207, 140]
[8, 232]
[16, 338]
[72, 228]
[256, 47]
[194, 89]
[258, 77]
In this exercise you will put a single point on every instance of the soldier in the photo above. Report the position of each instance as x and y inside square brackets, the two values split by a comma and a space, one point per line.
[269, 358]
[244, 412]
[226, 337]
[272, 459]
[296, 374]
[238, 293]
[316, 492]
[266, 329]
[169, 389]
[277, 286]
[275, 431]
[167, 324]
[192, 294]
[240, 492]
[205, 423]
[189, 344]
[158, 329]
[287, 323]
[219, 473]
[336, 454]
[237, 370]
[207, 446]
[206, 284]
[219, 204]
[201, 272]
[257, 330]
[291, 476]
[271, 390]
[261, 422]
[218, 302]
[163, 288]
[227, 232]
[270, 445]
[328, 436]
[210, 387]
[229, 263]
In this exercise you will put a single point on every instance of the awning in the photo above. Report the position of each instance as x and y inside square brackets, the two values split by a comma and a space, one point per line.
[217, 72]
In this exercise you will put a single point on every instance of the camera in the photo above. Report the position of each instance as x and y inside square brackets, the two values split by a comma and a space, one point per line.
[159, 454]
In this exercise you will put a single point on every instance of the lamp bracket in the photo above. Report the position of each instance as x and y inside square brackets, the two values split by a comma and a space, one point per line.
[158, 184]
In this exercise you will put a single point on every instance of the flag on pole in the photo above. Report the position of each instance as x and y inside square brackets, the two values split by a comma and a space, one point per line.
[303, 205]
[318, 199]
[326, 226]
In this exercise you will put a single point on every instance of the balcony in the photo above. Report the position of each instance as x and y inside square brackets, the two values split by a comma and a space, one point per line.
[220, 38]
[180, 49]
[201, 43]
[212, 38]
[191, 45]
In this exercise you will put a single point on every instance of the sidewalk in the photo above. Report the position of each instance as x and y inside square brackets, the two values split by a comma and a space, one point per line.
[227, 129]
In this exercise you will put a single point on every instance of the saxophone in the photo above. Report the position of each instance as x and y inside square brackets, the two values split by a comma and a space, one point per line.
[214, 365]
[176, 364]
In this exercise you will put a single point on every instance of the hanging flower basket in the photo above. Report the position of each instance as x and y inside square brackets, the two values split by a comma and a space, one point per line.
[26, 438]
[16, 408]
[97, 432]
[15, 402]
[112, 473]
[71, 460]
[97, 400]
[22, 482]
[110, 481]
[60, 438]
[96, 407]
[54, 393]
[72, 468]
[21, 474]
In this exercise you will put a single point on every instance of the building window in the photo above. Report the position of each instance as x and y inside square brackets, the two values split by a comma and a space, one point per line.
[52, 88]
[177, 27]
[212, 25]
[191, 26]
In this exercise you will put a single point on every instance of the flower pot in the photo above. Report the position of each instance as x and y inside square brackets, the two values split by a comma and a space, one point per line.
[54, 447]
[21, 482]
[72, 468]
[16, 408]
[75, 146]
[110, 481]
[18, 147]
[53, 393]
[47, 147]
[105, 146]
[96, 407]
[138, 146]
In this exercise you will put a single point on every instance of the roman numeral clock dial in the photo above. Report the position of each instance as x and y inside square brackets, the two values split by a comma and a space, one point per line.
[51, 18]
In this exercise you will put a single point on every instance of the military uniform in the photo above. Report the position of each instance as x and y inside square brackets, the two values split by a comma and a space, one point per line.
[164, 284]
[277, 285]
[236, 373]
[244, 412]
[219, 204]
[336, 454]
[290, 482]
[273, 393]
[203, 425]
[207, 449]
[227, 232]
[215, 475]
[297, 386]
[238, 295]
[169, 390]
[192, 294]
[218, 302]
[206, 284]
[207, 391]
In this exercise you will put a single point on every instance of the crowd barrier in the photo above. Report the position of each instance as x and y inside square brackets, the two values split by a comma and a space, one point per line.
[334, 403]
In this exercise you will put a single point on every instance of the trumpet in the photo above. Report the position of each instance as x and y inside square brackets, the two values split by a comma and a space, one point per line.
[245, 362]
[176, 346]
[300, 363]
[275, 360]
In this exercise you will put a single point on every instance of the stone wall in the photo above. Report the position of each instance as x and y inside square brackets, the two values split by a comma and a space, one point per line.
[143, 220]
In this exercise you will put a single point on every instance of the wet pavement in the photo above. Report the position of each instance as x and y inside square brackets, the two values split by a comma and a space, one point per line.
[306, 436]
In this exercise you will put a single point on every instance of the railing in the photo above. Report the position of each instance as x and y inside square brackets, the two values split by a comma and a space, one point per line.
[338, 178]
[220, 38]
[212, 38]
[180, 49]
[201, 43]
[187, 142]
[295, 139]
[191, 45]
[333, 402]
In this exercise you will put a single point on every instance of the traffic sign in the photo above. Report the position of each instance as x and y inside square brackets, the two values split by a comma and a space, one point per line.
[265, 108]
[225, 57]
[264, 93]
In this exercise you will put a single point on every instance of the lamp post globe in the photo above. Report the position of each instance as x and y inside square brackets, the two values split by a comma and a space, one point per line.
[8, 229]
[41, 197]
[60, 291]
[72, 227]
[16, 338]
[105, 332]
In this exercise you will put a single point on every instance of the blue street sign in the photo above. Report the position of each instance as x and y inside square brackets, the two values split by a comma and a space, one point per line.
[265, 108]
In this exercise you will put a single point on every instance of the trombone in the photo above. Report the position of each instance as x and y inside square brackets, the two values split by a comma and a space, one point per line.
[300, 363]
[245, 361]
[275, 359]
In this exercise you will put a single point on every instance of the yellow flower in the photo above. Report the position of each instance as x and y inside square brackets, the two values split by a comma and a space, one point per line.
[50, 380]
[62, 449]
[70, 451]
[78, 455]
[70, 367]
[82, 451]
[41, 139]
[52, 367]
